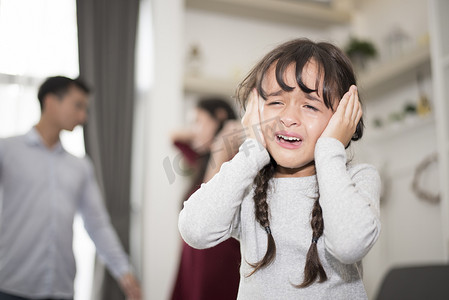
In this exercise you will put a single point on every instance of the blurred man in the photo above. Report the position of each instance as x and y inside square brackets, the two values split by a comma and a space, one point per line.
[43, 187]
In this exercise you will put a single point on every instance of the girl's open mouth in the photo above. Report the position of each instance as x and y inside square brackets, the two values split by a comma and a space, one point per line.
[288, 141]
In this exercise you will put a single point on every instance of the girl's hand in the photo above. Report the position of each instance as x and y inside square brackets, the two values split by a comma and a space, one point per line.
[251, 119]
[343, 123]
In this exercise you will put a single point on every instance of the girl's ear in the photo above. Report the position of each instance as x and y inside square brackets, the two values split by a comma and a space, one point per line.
[221, 114]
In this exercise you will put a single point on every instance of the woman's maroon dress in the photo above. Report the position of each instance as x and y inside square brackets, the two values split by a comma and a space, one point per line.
[208, 274]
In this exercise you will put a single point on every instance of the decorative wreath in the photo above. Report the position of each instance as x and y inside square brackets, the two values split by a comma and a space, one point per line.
[420, 192]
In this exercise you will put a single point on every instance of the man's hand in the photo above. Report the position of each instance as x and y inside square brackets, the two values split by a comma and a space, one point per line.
[343, 123]
[131, 287]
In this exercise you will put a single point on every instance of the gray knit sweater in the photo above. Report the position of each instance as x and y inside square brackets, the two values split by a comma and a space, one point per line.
[349, 197]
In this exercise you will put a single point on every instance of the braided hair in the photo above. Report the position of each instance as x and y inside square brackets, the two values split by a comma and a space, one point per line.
[261, 182]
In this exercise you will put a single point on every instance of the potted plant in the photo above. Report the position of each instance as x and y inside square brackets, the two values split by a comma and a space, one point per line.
[360, 51]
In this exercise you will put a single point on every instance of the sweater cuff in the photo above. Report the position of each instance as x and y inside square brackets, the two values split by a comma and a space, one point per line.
[329, 147]
[118, 271]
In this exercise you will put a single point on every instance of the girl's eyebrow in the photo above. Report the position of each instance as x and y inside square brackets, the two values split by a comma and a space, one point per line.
[276, 93]
[308, 95]
[312, 97]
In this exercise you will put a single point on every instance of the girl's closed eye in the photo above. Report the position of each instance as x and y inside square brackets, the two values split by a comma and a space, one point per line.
[274, 102]
[310, 107]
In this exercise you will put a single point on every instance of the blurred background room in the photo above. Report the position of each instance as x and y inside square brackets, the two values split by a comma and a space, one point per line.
[149, 61]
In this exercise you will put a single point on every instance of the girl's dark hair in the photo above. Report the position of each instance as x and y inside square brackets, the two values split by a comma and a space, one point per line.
[59, 86]
[336, 71]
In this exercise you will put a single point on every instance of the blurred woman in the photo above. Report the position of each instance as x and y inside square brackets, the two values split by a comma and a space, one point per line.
[212, 140]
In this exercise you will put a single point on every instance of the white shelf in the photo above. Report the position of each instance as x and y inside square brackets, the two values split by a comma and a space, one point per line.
[379, 78]
[400, 128]
[281, 11]
[209, 86]
[389, 74]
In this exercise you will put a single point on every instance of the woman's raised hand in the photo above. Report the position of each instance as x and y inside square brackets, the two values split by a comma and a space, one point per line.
[343, 123]
[228, 140]
[251, 118]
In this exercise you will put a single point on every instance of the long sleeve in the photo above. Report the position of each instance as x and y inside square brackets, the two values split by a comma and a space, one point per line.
[350, 202]
[210, 215]
[188, 153]
[98, 225]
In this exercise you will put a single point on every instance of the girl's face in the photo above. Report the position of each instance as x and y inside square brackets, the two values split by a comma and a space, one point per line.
[293, 121]
[204, 130]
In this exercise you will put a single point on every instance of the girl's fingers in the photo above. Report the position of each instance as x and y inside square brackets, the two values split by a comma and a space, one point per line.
[261, 103]
[357, 105]
[358, 111]
[247, 117]
[251, 119]
[359, 116]
[349, 107]
[254, 102]
[343, 103]
[349, 113]
[250, 104]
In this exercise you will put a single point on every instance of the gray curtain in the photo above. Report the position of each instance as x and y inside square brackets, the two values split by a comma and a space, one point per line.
[106, 38]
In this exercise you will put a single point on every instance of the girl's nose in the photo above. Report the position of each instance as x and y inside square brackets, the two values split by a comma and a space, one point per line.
[289, 118]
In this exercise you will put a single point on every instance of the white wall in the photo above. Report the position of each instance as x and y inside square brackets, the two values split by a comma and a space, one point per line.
[162, 113]
[411, 228]
[232, 45]
[374, 19]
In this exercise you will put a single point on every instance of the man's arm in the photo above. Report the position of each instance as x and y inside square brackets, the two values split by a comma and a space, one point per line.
[98, 225]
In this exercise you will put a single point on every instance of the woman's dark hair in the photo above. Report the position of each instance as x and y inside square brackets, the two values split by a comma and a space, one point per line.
[336, 71]
[59, 86]
[212, 105]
